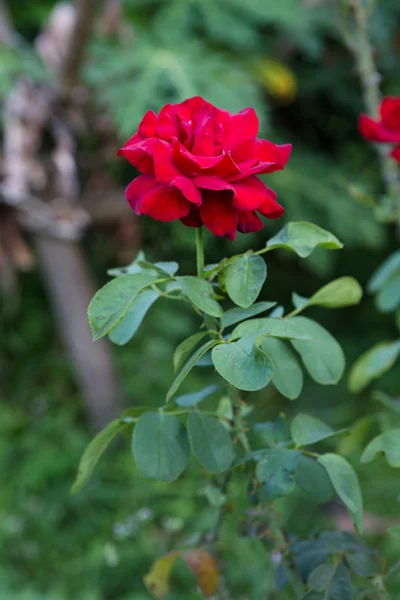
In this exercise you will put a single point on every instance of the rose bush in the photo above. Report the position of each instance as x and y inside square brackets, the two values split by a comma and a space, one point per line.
[387, 128]
[200, 164]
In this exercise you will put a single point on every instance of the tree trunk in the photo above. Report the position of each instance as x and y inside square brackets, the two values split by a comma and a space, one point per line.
[68, 285]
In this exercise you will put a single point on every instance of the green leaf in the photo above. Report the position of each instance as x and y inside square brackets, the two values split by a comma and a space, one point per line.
[307, 430]
[340, 587]
[126, 329]
[213, 494]
[321, 577]
[210, 441]
[288, 376]
[112, 302]
[276, 469]
[372, 364]
[188, 367]
[160, 446]
[93, 452]
[302, 237]
[196, 397]
[278, 312]
[344, 291]
[299, 301]
[384, 273]
[345, 482]
[357, 433]
[322, 356]
[362, 564]
[185, 349]
[242, 364]
[313, 480]
[388, 299]
[235, 315]
[273, 432]
[394, 532]
[313, 596]
[201, 293]
[387, 443]
[245, 277]
[273, 327]
[130, 269]
[165, 268]
[387, 400]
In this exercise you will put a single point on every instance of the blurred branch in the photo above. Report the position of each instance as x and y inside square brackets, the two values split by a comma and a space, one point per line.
[69, 72]
[359, 43]
[380, 589]
[41, 188]
[7, 33]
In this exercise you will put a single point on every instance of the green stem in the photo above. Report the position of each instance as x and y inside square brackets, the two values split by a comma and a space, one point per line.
[380, 588]
[279, 536]
[295, 312]
[214, 532]
[370, 78]
[237, 418]
[392, 571]
[233, 393]
[200, 252]
[200, 272]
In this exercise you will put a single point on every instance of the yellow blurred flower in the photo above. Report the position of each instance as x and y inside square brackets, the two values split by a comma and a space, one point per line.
[276, 78]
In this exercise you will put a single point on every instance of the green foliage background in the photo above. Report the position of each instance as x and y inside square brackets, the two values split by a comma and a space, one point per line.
[98, 544]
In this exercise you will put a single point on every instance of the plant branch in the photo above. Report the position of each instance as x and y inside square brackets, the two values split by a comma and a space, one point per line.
[213, 534]
[380, 588]
[369, 77]
[237, 418]
[7, 33]
[393, 571]
[233, 394]
[70, 70]
[280, 537]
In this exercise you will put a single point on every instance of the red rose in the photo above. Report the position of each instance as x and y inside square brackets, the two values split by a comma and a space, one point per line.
[387, 129]
[199, 164]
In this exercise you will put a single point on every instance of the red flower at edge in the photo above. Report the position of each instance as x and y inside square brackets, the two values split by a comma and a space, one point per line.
[387, 129]
[199, 164]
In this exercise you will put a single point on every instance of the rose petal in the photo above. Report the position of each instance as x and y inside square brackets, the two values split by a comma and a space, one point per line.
[138, 189]
[395, 153]
[244, 150]
[249, 222]
[272, 157]
[164, 168]
[167, 124]
[147, 127]
[258, 169]
[390, 113]
[225, 168]
[189, 164]
[270, 208]
[242, 125]
[250, 193]
[211, 182]
[135, 139]
[193, 218]
[166, 172]
[187, 107]
[375, 132]
[164, 203]
[188, 189]
[203, 142]
[218, 215]
[140, 154]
